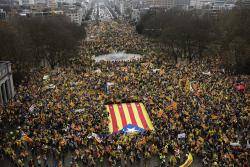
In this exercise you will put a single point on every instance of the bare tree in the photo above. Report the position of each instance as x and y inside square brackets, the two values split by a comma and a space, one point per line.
[184, 33]
[28, 41]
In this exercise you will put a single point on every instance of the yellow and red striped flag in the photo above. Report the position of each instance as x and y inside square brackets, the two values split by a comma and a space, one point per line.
[124, 114]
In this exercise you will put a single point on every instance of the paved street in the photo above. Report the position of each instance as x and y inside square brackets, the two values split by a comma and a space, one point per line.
[101, 12]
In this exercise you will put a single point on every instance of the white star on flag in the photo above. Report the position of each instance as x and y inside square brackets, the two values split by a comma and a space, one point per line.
[131, 130]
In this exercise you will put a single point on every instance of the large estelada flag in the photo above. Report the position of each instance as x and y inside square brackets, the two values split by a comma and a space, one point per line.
[128, 117]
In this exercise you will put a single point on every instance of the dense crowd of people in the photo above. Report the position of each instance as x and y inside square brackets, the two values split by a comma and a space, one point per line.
[59, 109]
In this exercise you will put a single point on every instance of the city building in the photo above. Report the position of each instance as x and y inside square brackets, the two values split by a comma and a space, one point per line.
[154, 3]
[6, 82]
[198, 4]
[75, 14]
[26, 2]
[60, 1]
[25, 12]
[219, 4]
[2, 14]
[51, 4]
[40, 1]
[213, 5]
[170, 4]
[49, 13]
[182, 4]
[159, 3]
[244, 3]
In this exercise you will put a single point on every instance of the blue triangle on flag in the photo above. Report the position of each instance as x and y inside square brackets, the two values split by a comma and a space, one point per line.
[132, 129]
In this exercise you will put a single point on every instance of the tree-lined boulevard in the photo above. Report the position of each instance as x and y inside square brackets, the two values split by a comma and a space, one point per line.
[58, 115]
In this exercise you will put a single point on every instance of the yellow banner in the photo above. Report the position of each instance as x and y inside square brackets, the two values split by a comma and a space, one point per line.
[187, 86]
[188, 162]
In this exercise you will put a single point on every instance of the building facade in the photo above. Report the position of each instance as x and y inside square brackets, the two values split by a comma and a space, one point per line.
[26, 2]
[75, 14]
[160, 3]
[52, 4]
[245, 3]
[2, 14]
[40, 1]
[182, 4]
[6, 82]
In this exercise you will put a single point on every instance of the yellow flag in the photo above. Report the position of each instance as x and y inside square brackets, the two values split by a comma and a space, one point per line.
[187, 86]
[27, 138]
[72, 104]
[160, 113]
[162, 71]
[174, 105]
[214, 116]
[180, 83]
[189, 161]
